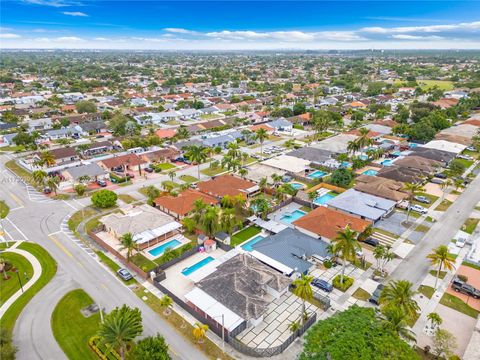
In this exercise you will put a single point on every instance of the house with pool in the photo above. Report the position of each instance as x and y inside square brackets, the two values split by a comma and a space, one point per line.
[230, 185]
[379, 186]
[181, 205]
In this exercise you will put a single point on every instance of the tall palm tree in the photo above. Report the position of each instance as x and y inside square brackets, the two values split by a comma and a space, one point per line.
[198, 155]
[363, 140]
[39, 177]
[47, 159]
[210, 220]
[228, 221]
[444, 186]
[261, 135]
[120, 328]
[127, 243]
[441, 257]
[434, 319]
[242, 172]
[412, 190]
[166, 303]
[199, 332]
[303, 289]
[276, 179]
[353, 146]
[263, 183]
[346, 243]
[172, 175]
[396, 320]
[312, 195]
[399, 294]
[234, 150]
[52, 183]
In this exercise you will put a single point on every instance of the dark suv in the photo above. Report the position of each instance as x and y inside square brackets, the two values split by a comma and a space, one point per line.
[461, 286]
[375, 298]
[322, 285]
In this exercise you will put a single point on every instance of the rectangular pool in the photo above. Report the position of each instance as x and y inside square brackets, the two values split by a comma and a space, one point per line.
[248, 245]
[325, 198]
[191, 269]
[370, 172]
[297, 186]
[159, 250]
[289, 218]
[387, 162]
[316, 174]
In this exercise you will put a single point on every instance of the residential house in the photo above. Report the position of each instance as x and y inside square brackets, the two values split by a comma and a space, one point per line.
[379, 186]
[160, 155]
[419, 163]
[314, 155]
[64, 133]
[401, 174]
[224, 185]
[443, 157]
[64, 155]
[123, 162]
[93, 171]
[181, 205]
[336, 144]
[281, 124]
[97, 148]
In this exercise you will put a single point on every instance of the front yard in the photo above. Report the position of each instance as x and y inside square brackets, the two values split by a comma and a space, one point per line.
[470, 225]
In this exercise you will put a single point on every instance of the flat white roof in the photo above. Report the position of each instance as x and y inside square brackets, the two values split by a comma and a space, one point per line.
[288, 163]
[445, 146]
[148, 235]
[272, 262]
[214, 309]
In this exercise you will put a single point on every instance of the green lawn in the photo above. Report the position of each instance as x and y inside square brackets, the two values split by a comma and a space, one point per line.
[126, 198]
[4, 209]
[165, 166]
[212, 171]
[244, 235]
[473, 266]
[457, 304]
[361, 294]
[79, 216]
[440, 276]
[444, 85]
[170, 184]
[20, 172]
[142, 262]
[49, 268]
[11, 285]
[71, 329]
[143, 191]
[427, 291]
[112, 265]
[188, 179]
[444, 205]
[470, 225]
[422, 228]
[432, 199]
[465, 162]
[14, 148]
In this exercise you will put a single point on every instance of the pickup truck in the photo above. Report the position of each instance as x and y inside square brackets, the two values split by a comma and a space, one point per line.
[464, 288]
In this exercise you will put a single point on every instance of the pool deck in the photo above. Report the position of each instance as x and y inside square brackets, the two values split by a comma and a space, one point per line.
[277, 215]
[183, 240]
[261, 233]
[366, 168]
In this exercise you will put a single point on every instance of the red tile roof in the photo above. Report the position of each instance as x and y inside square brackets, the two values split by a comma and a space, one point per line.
[225, 185]
[184, 202]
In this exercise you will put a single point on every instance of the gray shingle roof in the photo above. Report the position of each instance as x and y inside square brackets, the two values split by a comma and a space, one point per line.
[311, 154]
[90, 170]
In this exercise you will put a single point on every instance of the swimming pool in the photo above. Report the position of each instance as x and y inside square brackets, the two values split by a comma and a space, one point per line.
[387, 162]
[316, 174]
[289, 218]
[191, 269]
[321, 200]
[159, 250]
[363, 157]
[346, 164]
[248, 245]
[370, 172]
[297, 186]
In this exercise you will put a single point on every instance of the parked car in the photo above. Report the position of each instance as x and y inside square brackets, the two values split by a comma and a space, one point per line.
[464, 157]
[359, 252]
[461, 242]
[403, 205]
[130, 175]
[419, 209]
[148, 170]
[461, 286]
[118, 169]
[101, 183]
[471, 148]
[436, 181]
[47, 190]
[322, 285]
[371, 241]
[440, 175]
[124, 274]
[422, 199]
[375, 298]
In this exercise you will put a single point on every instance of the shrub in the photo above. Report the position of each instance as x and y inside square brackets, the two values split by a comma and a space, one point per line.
[327, 264]
[80, 189]
[347, 282]
[117, 179]
[341, 177]
[104, 199]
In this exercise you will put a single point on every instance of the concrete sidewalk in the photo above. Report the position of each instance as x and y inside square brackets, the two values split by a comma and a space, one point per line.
[37, 271]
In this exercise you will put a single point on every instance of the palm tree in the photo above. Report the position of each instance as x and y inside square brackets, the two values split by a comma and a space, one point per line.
[199, 332]
[120, 328]
[47, 158]
[346, 244]
[276, 179]
[210, 220]
[166, 303]
[412, 189]
[182, 133]
[312, 195]
[458, 184]
[234, 150]
[363, 140]
[353, 146]
[198, 155]
[294, 326]
[152, 193]
[444, 186]
[263, 183]
[399, 294]
[261, 135]
[228, 221]
[172, 175]
[52, 183]
[441, 257]
[127, 243]
[396, 320]
[289, 143]
[243, 172]
[230, 163]
[434, 319]
[303, 290]
[39, 176]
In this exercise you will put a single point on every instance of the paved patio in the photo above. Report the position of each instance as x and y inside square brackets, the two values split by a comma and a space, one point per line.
[274, 329]
[277, 215]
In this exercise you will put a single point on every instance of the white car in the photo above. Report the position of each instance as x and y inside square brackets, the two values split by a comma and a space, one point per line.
[419, 209]
[461, 242]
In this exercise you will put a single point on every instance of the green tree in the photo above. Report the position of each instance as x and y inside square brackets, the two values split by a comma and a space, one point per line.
[303, 289]
[152, 193]
[200, 332]
[197, 154]
[346, 243]
[120, 328]
[52, 183]
[399, 294]
[412, 189]
[104, 199]
[444, 343]
[39, 177]
[456, 167]
[396, 320]
[166, 303]
[355, 333]
[85, 106]
[7, 349]
[150, 348]
[441, 258]
[210, 220]
[341, 177]
[127, 243]
[46, 158]
[80, 189]
[435, 319]
[261, 135]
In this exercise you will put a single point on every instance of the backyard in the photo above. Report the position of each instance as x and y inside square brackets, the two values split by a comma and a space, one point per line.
[244, 235]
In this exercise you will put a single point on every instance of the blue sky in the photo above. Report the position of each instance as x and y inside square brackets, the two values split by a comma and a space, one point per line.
[225, 25]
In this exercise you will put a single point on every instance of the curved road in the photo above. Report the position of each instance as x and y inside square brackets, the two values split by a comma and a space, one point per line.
[35, 218]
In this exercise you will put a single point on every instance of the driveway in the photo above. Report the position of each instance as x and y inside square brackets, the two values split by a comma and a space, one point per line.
[393, 224]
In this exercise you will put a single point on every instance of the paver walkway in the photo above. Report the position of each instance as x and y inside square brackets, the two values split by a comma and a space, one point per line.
[37, 271]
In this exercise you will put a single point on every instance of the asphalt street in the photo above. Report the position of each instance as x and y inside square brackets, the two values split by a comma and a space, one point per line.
[38, 219]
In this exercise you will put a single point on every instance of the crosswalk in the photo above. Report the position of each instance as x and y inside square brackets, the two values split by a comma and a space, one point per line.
[65, 229]
[35, 196]
[385, 240]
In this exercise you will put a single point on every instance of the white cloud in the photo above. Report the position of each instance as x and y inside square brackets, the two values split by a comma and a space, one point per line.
[100, 39]
[472, 26]
[179, 31]
[287, 36]
[53, 3]
[9, 36]
[69, 39]
[415, 37]
[74, 13]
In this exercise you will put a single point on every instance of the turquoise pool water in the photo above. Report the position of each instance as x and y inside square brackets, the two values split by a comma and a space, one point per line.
[297, 186]
[346, 164]
[387, 162]
[370, 172]
[321, 200]
[159, 250]
[363, 157]
[191, 269]
[289, 218]
[316, 174]
[248, 245]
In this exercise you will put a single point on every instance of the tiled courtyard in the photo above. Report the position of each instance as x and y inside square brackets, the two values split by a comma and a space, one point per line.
[274, 329]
